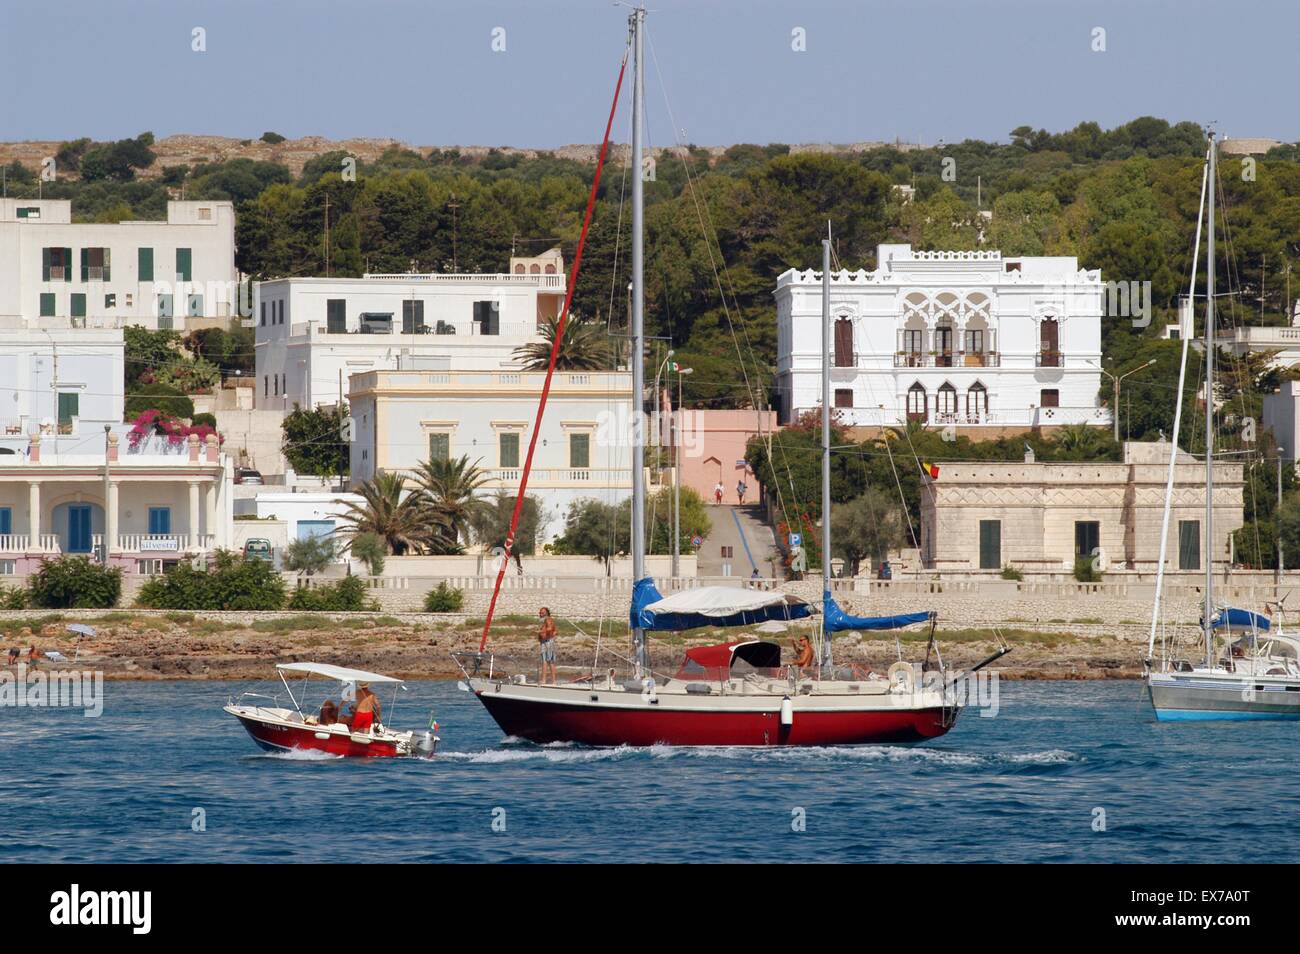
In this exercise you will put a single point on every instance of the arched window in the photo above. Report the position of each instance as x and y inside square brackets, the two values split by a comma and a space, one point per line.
[843, 342]
[977, 403]
[946, 404]
[550, 269]
[1049, 344]
[916, 402]
[519, 269]
[534, 269]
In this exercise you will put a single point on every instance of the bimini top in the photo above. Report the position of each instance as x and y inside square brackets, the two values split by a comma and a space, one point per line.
[711, 606]
[335, 672]
[1241, 621]
[715, 662]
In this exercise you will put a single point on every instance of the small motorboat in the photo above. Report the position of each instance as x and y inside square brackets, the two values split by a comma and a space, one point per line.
[278, 728]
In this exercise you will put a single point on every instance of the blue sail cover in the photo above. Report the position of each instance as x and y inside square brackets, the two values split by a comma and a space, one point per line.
[1240, 620]
[763, 606]
[837, 620]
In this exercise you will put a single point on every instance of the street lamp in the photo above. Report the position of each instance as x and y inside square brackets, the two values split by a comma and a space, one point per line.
[1115, 382]
[677, 474]
[668, 357]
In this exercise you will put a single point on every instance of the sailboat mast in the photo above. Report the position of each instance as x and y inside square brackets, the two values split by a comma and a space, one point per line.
[1209, 413]
[826, 441]
[637, 22]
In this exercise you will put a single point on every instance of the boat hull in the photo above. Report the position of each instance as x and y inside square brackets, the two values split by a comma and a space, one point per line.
[547, 721]
[274, 735]
[1179, 698]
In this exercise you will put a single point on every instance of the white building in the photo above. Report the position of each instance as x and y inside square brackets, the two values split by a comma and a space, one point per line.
[179, 273]
[313, 333]
[402, 418]
[964, 339]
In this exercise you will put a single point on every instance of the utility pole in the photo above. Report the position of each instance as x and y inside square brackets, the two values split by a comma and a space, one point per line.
[1277, 574]
[677, 473]
[455, 227]
[327, 235]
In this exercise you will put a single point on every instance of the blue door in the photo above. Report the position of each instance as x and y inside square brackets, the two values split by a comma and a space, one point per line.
[79, 540]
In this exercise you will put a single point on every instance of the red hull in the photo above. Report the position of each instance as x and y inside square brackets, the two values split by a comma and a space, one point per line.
[280, 738]
[544, 722]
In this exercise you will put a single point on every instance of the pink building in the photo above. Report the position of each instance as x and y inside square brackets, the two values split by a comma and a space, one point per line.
[713, 448]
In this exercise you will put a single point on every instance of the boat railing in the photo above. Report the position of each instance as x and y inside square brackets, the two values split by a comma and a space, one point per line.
[239, 700]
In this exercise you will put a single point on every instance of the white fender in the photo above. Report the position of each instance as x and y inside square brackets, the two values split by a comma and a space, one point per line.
[787, 711]
[902, 677]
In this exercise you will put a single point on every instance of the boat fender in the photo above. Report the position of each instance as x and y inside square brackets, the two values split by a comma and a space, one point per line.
[321, 735]
[787, 711]
[902, 677]
[699, 688]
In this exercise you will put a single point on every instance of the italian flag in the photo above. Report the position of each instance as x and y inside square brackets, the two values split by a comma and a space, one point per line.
[931, 470]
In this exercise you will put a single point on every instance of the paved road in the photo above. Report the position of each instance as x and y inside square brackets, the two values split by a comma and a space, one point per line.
[750, 540]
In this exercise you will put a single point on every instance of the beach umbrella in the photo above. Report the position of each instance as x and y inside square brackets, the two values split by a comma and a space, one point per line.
[82, 630]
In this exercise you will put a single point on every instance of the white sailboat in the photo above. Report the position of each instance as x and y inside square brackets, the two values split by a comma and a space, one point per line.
[1244, 666]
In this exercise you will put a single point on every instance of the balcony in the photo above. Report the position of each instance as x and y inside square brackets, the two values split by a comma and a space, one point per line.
[1049, 359]
[561, 476]
[947, 359]
[48, 543]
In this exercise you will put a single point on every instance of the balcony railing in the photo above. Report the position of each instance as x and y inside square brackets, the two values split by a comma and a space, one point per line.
[564, 475]
[126, 543]
[1049, 359]
[947, 359]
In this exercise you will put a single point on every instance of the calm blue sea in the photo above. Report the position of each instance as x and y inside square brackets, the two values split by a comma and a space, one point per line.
[1027, 785]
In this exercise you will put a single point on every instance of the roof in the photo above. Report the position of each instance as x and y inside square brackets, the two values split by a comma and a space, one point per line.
[335, 672]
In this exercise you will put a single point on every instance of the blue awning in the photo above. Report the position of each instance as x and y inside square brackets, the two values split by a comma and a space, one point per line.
[711, 606]
[1240, 620]
[836, 620]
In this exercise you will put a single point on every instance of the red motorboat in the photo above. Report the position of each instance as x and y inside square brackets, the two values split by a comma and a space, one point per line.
[278, 728]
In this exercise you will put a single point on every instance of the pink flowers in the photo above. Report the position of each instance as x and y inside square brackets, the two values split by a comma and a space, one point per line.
[176, 431]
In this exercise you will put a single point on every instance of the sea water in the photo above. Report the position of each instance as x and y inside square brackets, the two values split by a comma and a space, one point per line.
[1066, 771]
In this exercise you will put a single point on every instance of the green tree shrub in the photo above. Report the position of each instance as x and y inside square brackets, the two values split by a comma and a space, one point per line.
[370, 549]
[344, 596]
[230, 583]
[74, 582]
[444, 599]
[310, 555]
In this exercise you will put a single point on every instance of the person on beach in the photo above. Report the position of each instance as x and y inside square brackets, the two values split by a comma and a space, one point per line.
[740, 492]
[546, 639]
[14, 654]
[33, 655]
[805, 651]
[717, 493]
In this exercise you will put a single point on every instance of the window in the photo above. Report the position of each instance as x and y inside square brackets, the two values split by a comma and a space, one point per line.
[110, 301]
[439, 447]
[266, 385]
[95, 264]
[56, 264]
[8, 567]
[275, 378]
[78, 305]
[194, 306]
[336, 316]
[580, 450]
[160, 521]
[975, 341]
[990, 544]
[29, 212]
[412, 317]
[164, 312]
[916, 402]
[509, 450]
[205, 214]
[279, 310]
[184, 265]
[843, 343]
[47, 304]
[943, 346]
[487, 315]
[1049, 397]
[977, 402]
[1087, 537]
[1189, 544]
[6, 521]
[1049, 344]
[262, 306]
[946, 403]
[144, 264]
[844, 397]
[69, 406]
[913, 339]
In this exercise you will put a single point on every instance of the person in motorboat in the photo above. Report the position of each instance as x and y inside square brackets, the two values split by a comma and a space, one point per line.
[805, 657]
[329, 713]
[366, 710]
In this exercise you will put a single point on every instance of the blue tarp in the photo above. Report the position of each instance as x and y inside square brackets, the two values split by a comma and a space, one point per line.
[1240, 619]
[836, 620]
[644, 593]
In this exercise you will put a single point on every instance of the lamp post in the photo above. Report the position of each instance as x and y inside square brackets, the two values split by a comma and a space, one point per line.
[668, 357]
[677, 474]
[1115, 382]
[1277, 574]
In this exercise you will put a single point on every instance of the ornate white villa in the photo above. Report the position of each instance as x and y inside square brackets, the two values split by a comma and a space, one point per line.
[970, 340]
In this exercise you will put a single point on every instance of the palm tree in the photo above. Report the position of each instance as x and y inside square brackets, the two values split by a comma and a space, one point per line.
[584, 347]
[405, 523]
[451, 487]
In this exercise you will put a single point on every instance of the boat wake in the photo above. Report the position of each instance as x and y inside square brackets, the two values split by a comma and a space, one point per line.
[298, 755]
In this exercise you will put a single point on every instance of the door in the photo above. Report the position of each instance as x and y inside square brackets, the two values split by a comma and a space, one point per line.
[1049, 344]
[943, 346]
[79, 538]
[843, 343]
[990, 544]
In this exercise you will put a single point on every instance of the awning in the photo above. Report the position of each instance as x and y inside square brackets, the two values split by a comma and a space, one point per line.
[836, 620]
[1241, 621]
[335, 672]
[711, 606]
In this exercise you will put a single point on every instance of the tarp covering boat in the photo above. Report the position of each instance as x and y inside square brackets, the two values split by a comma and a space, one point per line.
[335, 672]
[715, 662]
[836, 620]
[1241, 621]
[711, 606]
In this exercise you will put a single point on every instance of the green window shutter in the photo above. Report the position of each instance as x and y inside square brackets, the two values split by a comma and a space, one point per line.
[85, 264]
[439, 447]
[108, 261]
[47, 303]
[67, 264]
[990, 544]
[183, 265]
[509, 450]
[1189, 544]
[146, 265]
[78, 305]
[69, 406]
[579, 450]
[45, 264]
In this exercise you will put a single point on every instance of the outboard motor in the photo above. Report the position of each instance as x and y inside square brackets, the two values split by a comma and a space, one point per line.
[425, 743]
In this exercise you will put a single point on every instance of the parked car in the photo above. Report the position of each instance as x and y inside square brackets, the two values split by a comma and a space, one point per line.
[258, 548]
[246, 475]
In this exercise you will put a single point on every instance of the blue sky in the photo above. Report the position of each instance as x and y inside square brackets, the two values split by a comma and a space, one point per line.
[423, 70]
